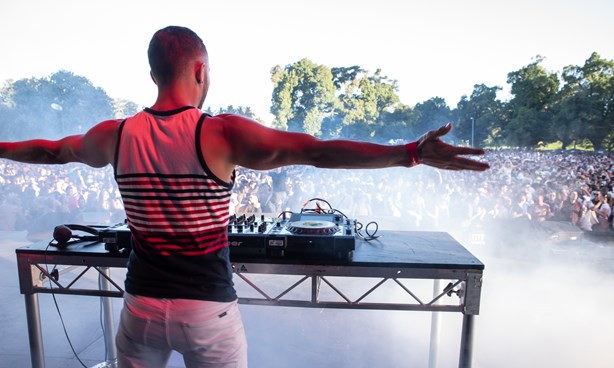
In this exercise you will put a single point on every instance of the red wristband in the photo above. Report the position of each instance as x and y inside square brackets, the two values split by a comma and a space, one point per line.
[412, 152]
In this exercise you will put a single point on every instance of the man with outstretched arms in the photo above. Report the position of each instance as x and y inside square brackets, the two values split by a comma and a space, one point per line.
[175, 167]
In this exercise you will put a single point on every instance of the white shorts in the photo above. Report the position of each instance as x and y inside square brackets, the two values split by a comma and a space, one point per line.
[207, 334]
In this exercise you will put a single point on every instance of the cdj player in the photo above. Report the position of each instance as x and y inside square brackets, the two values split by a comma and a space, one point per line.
[302, 235]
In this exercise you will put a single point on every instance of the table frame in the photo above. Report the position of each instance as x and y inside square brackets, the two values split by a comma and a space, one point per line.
[465, 284]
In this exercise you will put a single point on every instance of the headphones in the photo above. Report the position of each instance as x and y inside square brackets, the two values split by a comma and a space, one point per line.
[63, 235]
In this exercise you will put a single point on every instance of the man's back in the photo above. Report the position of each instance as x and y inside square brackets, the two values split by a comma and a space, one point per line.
[176, 208]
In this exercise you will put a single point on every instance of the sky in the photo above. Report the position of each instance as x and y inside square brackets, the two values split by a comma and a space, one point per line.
[436, 48]
[431, 47]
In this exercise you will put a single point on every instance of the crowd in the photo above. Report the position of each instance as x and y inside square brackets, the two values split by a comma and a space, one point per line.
[522, 187]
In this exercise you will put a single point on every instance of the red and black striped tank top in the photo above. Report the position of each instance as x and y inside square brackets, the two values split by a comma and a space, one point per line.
[176, 208]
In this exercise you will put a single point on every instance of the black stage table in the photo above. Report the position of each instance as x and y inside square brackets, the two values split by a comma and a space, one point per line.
[395, 257]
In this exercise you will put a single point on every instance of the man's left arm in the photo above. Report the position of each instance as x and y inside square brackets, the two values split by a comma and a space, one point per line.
[41, 151]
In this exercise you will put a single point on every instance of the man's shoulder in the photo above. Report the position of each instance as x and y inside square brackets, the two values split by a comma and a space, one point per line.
[226, 117]
[218, 119]
[230, 122]
[107, 128]
[111, 124]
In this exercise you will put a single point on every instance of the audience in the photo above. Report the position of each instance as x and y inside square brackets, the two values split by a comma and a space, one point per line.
[530, 186]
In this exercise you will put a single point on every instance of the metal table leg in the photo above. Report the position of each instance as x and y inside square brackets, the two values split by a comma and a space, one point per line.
[466, 342]
[109, 322]
[35, 334]
[435, 328]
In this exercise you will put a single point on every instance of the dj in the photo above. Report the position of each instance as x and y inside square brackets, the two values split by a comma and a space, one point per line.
[174, 167]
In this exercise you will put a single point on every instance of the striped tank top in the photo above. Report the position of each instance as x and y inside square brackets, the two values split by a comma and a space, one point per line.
[176, 208]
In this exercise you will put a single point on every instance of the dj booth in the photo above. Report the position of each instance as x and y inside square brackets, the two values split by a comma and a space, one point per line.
[393, 260]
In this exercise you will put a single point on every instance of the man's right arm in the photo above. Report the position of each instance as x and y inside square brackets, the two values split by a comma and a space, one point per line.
[258, 147]
[95, 148]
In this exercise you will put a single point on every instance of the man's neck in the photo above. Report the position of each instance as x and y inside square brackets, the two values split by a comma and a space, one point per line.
[173, 97]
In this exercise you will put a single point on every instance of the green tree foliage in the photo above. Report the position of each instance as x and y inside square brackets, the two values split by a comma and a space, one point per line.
[124, 108]
[303, 95]
[396, 125]
[431, 114]
[330, 103]
[349, 102]
[6, 107]
[6, 94]
[363, 99]
[62, 104]
[239, 110]
[534, 91]
[587, 100]
[480, 117]
[568, 114]
[366, 106]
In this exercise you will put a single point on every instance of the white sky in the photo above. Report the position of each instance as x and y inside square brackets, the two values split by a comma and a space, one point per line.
[433, 48]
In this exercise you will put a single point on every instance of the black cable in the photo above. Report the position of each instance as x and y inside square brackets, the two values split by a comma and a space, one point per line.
[370, 236]
[283, 213]
[318, 209]
[357, 227]
[341, 213]
[57, 307]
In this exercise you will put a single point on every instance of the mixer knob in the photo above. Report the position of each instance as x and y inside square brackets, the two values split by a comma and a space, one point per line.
[262, 228]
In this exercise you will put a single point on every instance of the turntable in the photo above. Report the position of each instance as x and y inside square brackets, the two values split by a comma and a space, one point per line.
[312, 236]
[312, 227]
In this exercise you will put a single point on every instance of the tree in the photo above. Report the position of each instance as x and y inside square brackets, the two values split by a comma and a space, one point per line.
[239, 110]
[339, 102]
[124, 108]
[62, 104]
[303, 95]
[6, 109]
[589, 93]
[480, 116]
[430, 114]
[363, 100]
[567, 115]
[534, 91]
[395, 125]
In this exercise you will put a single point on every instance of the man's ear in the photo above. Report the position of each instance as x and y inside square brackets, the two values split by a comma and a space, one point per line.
[153, 78]
[200, 69]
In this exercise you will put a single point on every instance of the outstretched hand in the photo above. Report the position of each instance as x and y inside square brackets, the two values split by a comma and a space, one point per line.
[435, 152]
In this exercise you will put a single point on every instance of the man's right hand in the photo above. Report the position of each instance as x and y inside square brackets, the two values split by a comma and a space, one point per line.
[436, 153]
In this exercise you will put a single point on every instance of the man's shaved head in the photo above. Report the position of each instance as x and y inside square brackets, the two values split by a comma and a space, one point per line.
[170, 51]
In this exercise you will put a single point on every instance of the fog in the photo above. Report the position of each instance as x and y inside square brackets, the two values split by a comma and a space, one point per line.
[553, 312]
[548, 312]
[544, 304]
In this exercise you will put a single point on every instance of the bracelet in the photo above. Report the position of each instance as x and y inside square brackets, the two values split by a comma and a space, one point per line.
[412, 152]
